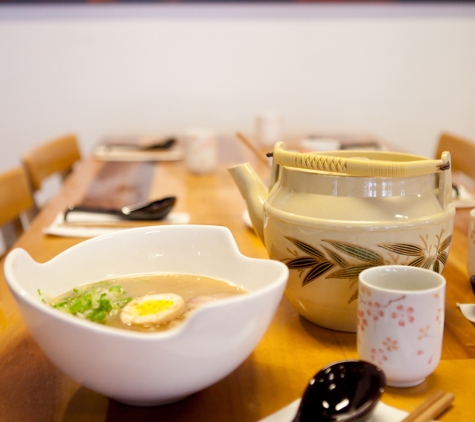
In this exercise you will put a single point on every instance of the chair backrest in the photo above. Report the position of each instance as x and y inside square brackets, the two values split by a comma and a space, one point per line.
[462, 153]
[15, 199]
[55, 156]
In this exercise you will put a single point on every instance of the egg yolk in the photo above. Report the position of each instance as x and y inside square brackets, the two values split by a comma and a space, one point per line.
[155, 309]
[149, 307]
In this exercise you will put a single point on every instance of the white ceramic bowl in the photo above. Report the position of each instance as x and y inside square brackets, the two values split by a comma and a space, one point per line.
[147, 369]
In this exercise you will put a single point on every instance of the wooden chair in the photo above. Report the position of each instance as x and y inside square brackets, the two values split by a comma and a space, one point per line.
[15, 200]
[53, 157]
[462, 152]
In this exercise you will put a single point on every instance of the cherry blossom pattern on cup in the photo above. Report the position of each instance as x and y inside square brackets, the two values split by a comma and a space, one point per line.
[399, 329]
[403, 315]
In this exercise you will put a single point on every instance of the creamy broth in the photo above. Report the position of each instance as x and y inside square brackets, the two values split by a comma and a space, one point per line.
[195, 291]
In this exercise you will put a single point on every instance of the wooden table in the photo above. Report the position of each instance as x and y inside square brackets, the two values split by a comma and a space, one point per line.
[275, 374]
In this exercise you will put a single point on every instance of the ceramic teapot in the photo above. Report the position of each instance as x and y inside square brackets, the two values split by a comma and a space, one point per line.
[331, 215]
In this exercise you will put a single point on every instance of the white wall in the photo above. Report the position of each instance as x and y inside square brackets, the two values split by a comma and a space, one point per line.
[404, 72]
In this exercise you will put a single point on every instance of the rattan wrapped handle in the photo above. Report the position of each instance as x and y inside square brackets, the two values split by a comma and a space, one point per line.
[373, 167]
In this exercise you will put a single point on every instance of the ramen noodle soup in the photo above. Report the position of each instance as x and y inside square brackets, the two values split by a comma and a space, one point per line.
[153, 302]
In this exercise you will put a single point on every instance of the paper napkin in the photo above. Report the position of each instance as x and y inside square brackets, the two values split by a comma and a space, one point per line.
[109, 153]
[91, 224]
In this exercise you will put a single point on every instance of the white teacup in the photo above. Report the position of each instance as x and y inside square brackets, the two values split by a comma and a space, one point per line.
[269, 128]
[201, 154]
[401, 321]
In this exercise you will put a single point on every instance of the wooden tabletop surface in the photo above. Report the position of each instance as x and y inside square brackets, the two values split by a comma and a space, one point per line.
[274, 375]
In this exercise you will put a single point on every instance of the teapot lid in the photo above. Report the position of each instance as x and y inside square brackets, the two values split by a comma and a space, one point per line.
[361, 163]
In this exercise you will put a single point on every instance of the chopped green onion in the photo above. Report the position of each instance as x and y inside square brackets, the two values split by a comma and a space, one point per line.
[93, 303]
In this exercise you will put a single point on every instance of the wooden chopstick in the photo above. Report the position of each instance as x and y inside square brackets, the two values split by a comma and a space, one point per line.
[430, 408]
[253, 148]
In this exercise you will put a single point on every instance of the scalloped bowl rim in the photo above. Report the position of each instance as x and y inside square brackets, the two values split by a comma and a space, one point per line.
[263, 294]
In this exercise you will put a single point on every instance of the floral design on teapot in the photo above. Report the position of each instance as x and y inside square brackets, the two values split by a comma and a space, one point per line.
[335, 255]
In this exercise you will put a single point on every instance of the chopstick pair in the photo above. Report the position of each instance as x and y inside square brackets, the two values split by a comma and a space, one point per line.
[431, 408]
[253, 148]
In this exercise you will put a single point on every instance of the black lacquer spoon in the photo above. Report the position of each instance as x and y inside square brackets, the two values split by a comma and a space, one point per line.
[343, 391]
[154, 210]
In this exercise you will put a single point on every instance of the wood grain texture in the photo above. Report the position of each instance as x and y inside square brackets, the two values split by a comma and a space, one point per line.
[276, 372]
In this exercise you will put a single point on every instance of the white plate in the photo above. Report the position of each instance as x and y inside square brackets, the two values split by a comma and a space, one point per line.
[105, 153]
[468, 310]
[58, 228]
[382, 413]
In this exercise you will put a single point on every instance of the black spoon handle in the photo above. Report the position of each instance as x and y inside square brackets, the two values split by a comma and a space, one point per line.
[168, 143]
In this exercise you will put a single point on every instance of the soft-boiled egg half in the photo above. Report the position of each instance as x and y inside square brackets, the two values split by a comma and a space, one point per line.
[153, 310]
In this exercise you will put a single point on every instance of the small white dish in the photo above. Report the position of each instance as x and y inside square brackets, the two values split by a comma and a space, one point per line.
[382, 413]
[105, 153]
[155, 368]
[463, 198]
[468, 310]
[320, 144]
